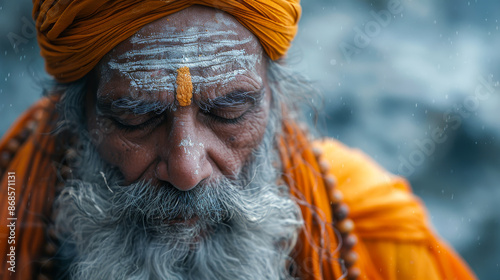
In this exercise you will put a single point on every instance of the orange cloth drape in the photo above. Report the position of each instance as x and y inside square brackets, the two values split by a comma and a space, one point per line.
[395, 240]
[75, 35]
[316, 254]
[35, 179]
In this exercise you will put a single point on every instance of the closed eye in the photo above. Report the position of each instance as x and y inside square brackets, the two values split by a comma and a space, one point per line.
[144, 122]
[226, 119]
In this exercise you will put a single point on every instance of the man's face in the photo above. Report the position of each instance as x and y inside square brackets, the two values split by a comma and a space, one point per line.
[200, 197]
[153, 137]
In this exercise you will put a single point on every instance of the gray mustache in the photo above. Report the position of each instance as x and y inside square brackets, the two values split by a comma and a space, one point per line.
[215, 202]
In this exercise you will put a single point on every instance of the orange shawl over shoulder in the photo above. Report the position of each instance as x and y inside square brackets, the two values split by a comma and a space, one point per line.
[395, 239]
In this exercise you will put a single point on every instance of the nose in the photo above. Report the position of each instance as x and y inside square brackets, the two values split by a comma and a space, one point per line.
[184, 162]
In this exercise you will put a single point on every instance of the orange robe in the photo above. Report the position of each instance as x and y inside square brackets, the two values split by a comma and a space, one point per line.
[395, 239]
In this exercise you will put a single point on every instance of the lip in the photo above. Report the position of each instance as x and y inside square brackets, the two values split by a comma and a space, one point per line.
[180, 221]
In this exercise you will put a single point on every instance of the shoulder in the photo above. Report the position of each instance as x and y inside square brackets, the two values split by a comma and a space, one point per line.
[357, 174]
[396, 241]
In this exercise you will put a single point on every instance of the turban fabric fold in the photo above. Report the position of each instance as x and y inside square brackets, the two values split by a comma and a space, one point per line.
[74, 35]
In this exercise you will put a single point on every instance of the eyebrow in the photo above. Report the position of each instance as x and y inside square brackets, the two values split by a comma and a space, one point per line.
[141, 107]
[129, 104]
[232, 99]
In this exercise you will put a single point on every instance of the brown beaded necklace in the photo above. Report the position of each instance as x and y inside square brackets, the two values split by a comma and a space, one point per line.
[341, 222]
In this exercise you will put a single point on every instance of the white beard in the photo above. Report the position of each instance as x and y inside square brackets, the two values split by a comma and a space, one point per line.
[242, 229]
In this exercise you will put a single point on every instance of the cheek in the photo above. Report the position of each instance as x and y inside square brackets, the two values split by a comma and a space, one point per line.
[250, 134]
[133, 159]
[240, 142]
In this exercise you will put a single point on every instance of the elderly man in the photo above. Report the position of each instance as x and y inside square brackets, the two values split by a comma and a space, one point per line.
[169, 149]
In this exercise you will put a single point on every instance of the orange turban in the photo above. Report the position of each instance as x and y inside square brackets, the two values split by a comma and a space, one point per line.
[75, 35]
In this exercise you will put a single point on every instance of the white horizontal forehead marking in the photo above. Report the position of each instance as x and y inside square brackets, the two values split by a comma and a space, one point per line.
[223, 56]
[190, 35]
[173, 63]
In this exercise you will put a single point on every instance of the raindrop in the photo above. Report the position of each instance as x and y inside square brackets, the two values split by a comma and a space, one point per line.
[333, 62]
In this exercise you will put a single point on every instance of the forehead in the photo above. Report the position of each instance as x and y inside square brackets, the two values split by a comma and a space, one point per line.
[221, 54]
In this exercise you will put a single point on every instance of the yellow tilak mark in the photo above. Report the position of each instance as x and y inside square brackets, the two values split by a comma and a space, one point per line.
[184, 86]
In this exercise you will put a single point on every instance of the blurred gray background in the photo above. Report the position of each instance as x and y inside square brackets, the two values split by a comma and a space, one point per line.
[414, 84]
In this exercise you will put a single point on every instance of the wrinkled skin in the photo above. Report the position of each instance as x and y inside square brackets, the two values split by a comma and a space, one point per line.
[182, 146]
